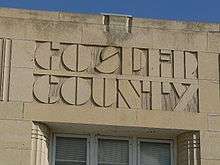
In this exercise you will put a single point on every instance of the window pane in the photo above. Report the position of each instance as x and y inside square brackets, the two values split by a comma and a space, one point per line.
[71, 151]
[155, 153]
[113, 152]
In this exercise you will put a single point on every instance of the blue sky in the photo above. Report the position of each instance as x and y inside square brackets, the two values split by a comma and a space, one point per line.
[188, 10]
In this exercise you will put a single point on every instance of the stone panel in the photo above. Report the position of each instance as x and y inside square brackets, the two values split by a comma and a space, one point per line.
[14, 157]
[209, 97]
[214, 122]
[209, 66]
[179, 40]
[15, 134]
[11, 110]
[210, 145]
[21, 84]
[210, 162]
[214, 42]
[22, 54]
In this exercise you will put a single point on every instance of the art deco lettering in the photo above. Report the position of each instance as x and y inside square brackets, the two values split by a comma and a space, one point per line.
[118, 77]
[95, 75]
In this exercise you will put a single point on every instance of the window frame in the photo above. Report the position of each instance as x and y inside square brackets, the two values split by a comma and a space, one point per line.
[87, 137]
[92, 147]
[171, 142]
[130, 146]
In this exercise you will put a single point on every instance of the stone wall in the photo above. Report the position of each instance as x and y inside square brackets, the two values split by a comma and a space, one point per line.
[106, 70]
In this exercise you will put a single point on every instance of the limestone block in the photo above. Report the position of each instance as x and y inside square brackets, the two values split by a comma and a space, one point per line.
[136, 39]
[38, 29]
[47, 30]
[210, 162]
[147, 118]
[94, 34]
[25, 157]
[171, 120]
[21, 84]
[188, 121]
[214, 122]
[88, 18]
[22, 53]
[14, 157]
[209, 66]
[210, 145]
[174, 25]
[209, 101]
[15, 134]
[213, 42]
[181, 40]
[11, 110]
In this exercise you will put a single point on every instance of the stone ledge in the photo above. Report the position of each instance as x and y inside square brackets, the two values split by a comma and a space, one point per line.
[119, 117]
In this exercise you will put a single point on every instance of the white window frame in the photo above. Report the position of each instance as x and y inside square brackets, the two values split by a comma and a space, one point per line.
[171, 142]
[87, 137]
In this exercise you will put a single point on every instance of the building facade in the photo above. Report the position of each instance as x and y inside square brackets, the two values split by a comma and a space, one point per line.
[107, 89]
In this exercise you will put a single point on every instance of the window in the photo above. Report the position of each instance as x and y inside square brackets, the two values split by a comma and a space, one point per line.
[77, 150]
[71, 151]
[111, 152]
[153, 153]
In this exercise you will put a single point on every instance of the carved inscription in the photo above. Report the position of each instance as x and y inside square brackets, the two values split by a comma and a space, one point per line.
[117, 77]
